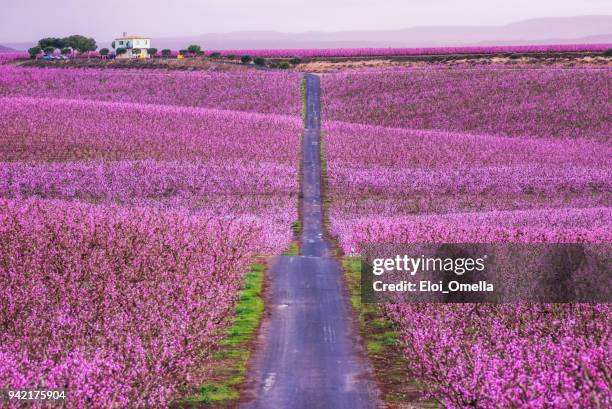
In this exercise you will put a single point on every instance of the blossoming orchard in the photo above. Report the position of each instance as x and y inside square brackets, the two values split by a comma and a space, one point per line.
[487, 155]
[136, 205]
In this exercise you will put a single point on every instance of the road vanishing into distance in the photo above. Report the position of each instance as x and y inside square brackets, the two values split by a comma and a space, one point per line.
[309, 355]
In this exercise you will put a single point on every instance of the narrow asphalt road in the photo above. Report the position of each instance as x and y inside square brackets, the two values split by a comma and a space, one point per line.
[309, 355]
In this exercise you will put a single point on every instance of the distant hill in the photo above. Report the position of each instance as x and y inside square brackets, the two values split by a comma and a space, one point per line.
[583, 29]
[4, 49]
[535, 31]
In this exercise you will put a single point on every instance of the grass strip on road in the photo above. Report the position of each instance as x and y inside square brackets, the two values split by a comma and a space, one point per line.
[230, 363]
[398, 388]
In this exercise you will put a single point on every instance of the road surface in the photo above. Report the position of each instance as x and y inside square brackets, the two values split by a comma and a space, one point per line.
[309, 356]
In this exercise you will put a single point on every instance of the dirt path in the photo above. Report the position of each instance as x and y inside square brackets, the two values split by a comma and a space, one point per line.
[309, 356]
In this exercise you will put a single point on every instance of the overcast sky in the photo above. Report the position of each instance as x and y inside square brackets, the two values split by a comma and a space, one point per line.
[25, 20]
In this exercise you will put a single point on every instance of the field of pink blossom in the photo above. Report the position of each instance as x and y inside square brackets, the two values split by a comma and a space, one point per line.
[389, 52]
[509, 356]
[237, 90]
[547, 102]
[13, 56]
[52, 129]
[128, 218]
[399, 184]
[121, 306]
[483, 156]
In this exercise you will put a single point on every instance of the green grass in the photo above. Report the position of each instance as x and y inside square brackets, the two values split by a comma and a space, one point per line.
[304, 101]
[249, 308]
[296, 226]
[367, 313]
[323, 156]
[383, 343]
[211, 393]
[294, 246]
[231, 360]
[292, 250]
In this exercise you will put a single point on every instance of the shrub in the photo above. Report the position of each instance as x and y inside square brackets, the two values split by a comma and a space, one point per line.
[284, 65]
[259, 61]
[246, 59]
[231, 57]
[194, 49]
[608, 52]
[152, 51]
[166, 52]
[34, 51]
[295, 60]
[216, 54]
[66, 51]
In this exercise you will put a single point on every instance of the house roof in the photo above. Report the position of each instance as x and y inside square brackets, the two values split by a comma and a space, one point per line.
[133, 38]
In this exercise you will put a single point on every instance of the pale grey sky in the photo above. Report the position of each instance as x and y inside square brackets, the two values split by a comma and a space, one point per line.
[25, 20]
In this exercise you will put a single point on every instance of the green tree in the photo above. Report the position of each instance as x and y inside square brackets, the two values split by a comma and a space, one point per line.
[104, 52]
[34, 51]
[215, 54]
[136, 51]
[88, 44]
[246, 59]
[231, 57]
[194, 49]
[608, 52]
[49, 50]
[45, 42]
[51, 42]
[66, 51]
[113, 45]
[295, 60]
[284, 65]
[120, 51]
[166, 52]
[152, 51]
[81, 43]
[259, 61]
[71, 41]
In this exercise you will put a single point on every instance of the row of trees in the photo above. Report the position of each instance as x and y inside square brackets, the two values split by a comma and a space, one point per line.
[66, 45]
[192, 49]
[122, 50]
[82, 44]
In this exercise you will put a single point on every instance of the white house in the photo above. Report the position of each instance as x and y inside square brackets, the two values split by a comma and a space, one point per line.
[132, 44]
